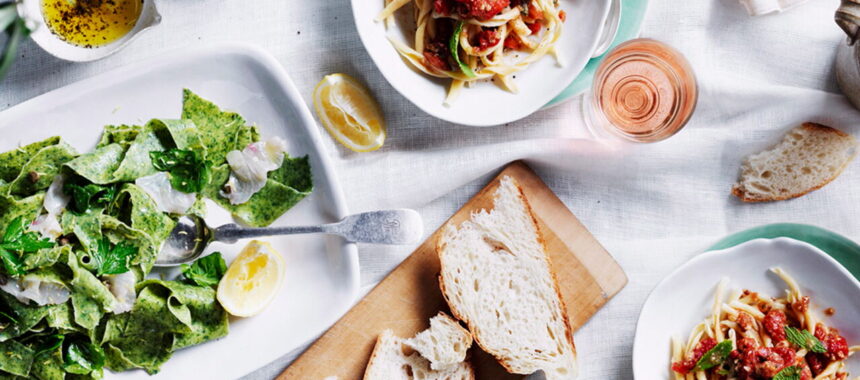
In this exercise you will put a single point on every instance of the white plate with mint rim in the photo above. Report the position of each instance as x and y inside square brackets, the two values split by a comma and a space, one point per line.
[322, 276]
[684, 298]
[483, 104]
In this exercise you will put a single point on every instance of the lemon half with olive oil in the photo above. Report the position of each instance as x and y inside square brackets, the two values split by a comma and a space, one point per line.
[349, 113]
[91, 23]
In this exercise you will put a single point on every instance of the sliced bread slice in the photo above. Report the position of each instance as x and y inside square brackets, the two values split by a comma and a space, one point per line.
[497, 278]
[444, 344]
[809, 157]
[389, 362]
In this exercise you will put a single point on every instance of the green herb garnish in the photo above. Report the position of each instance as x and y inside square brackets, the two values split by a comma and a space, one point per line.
[9, 319]
[454, 46]
[50, 343]
[715, 356]
[187, 169]
[112, 259]
[206, 271]
[804, 339]
[81, 357]
[88, 196]
[788, 373]
[17, 242]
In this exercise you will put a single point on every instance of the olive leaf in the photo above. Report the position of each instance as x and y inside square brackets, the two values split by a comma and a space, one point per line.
[16, 30]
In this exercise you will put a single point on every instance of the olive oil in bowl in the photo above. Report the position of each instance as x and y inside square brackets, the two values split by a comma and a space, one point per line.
[91, 23]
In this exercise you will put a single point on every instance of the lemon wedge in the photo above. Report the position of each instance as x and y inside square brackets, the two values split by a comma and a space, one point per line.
[252, 281]
[349, 113]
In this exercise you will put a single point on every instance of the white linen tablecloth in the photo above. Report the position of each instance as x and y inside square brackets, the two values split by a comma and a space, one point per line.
[652, 206]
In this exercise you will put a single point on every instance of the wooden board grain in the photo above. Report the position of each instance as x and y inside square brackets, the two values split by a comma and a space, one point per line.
[588, 277]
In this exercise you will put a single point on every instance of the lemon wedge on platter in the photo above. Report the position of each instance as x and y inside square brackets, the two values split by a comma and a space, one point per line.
[349, 113]
[252, 281]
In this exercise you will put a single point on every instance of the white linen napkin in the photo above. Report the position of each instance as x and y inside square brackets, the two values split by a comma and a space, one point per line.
[763, 7]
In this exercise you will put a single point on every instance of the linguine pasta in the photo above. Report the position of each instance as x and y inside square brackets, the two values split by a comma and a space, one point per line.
[472, 40]
[751, 337]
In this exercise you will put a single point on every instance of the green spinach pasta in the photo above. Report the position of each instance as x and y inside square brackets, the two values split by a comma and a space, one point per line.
[80, 234]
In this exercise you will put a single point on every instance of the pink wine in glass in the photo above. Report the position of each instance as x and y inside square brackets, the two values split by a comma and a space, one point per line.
[643, 91]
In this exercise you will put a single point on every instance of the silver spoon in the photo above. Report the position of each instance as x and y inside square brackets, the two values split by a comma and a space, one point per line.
[191, 235]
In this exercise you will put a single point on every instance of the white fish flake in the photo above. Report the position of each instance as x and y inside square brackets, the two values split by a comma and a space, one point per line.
[250, 167]
[30, 288]
[168, 199]
[122, 287]
[55, 201]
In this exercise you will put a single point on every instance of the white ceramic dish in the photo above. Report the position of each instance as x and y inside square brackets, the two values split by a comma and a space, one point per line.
[485, 104]
[31, 11]
[322, 277]
[684, 298]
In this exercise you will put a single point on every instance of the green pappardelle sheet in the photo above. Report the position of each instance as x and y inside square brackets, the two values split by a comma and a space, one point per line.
[113, 229]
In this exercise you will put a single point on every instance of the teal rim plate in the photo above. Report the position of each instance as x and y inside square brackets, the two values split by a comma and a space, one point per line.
[844, 250]
[632, 14]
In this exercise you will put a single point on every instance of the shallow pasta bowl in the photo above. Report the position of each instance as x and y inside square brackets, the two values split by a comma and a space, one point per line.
[484, 104]
[684, 298]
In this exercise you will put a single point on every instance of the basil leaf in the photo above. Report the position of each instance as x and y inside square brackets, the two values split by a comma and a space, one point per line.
[82, 357]
[788, 373]
[715, 356]
[109, 259]
[454, 46]
[87, 196]
[804, 339]
[206, 271]
[187, 169]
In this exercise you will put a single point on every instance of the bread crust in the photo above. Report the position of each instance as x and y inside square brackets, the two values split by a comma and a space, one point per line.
[812, 127]
[373, 356]
[472, 329]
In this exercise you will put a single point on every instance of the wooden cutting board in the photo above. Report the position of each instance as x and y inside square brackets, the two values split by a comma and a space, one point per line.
[404, 301]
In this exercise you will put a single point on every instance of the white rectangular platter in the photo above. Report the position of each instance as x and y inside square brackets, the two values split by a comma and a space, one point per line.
[322, 272]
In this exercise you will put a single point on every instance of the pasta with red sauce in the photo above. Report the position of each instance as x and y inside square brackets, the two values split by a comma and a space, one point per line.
[752, 337]
[472, 40]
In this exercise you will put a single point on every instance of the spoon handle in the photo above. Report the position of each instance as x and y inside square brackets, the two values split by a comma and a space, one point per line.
[230, 233]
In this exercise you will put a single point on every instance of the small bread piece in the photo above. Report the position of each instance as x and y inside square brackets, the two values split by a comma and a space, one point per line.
[809, 157]
[444, 344]
[497, 278]
[388, 362]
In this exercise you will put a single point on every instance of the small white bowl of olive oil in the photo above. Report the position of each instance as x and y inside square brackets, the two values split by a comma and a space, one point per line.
[87, 30]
